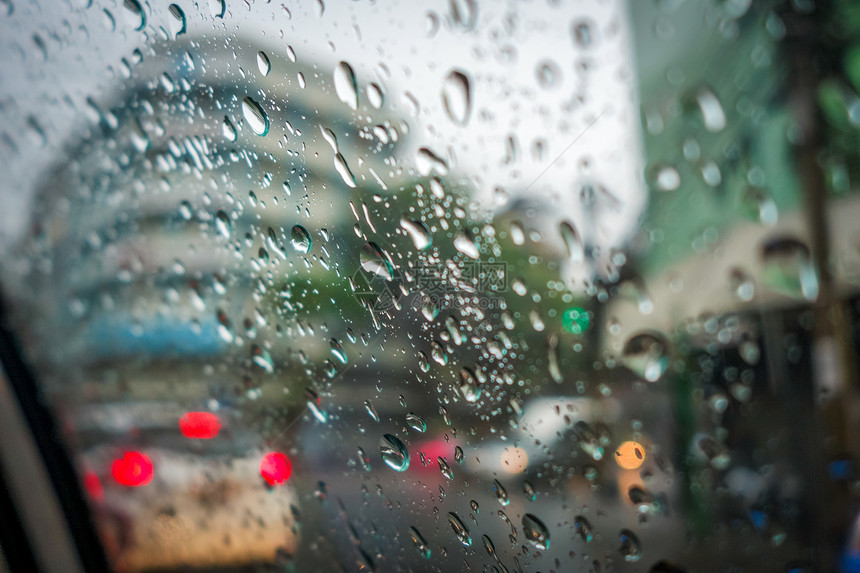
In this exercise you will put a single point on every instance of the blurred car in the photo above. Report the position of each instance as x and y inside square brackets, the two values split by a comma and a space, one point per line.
[167, 485]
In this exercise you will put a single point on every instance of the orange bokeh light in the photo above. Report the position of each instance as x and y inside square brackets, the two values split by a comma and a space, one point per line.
[630, 455]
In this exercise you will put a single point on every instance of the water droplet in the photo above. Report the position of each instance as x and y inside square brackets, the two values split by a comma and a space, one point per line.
[376, 261]
[711, 174]
[416, 422]
[445, 468]
[429, 308]
[452, 325]
[255, 116]
[741, 285]
[394, 453]
[464, 13]
[343, 170]
[363, 460]
[552, 360]
[457, 97]
[588, 440]
[548, 74]
[630, 548]
[647, 355]
[518, 235]
[644, 501]
[223, 224]
[229, 130]
[185, 211]
[438, 353]
[537, 320]
[758, 205]
[750, 352]
[458, 454]
[177, 22]
[490, 547]
[423, 363]
[318, 413]
[529, 491]
[167, 83]
[262, 358]
[665, 178]
[460, 529]
[445, 417]
[789, 269]
[329, 137]
[375, 96]
[710, 108]
[536, 531]
[217, 8]
[427, 162]
[338, 351]
[469, 386]
[572, 241]
[501, 493]
[583, 33]
[300, 239]
[716, 453]
[263, 63]
[345, 85]
[371, 410]
[420, 543]
[464, 243]
[418, 232]
[135, 13]
[582, 528]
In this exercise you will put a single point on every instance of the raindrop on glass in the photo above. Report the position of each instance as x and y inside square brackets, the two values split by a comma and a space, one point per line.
[255, 116]
[460, 529]
[263, 63]
[416, 422]
[177, 20]
[376, 261]
[223, 225]
[464, 243]
[647, 355]
[229, 130]
[420, 543]
[371, 410]
[501, 493]
[300, 239]
[394, 453]
[345, 85]
[582, 528]
[457, 97]
[535, 531]
[418, 232]
[136, 15]
[630, 549]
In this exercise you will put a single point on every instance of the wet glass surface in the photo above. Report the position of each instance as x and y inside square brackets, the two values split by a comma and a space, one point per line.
[324, 286]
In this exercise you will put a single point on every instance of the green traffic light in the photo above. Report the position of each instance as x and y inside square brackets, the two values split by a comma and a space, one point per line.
[575, 320]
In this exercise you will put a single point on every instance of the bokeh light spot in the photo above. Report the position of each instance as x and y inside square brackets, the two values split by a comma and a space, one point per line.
[630, 455]
[275, 468]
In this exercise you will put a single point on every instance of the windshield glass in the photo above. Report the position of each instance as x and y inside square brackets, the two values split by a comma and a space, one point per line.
[453, 286]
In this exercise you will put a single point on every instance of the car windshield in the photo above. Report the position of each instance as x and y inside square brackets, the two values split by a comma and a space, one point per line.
[441, 286]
